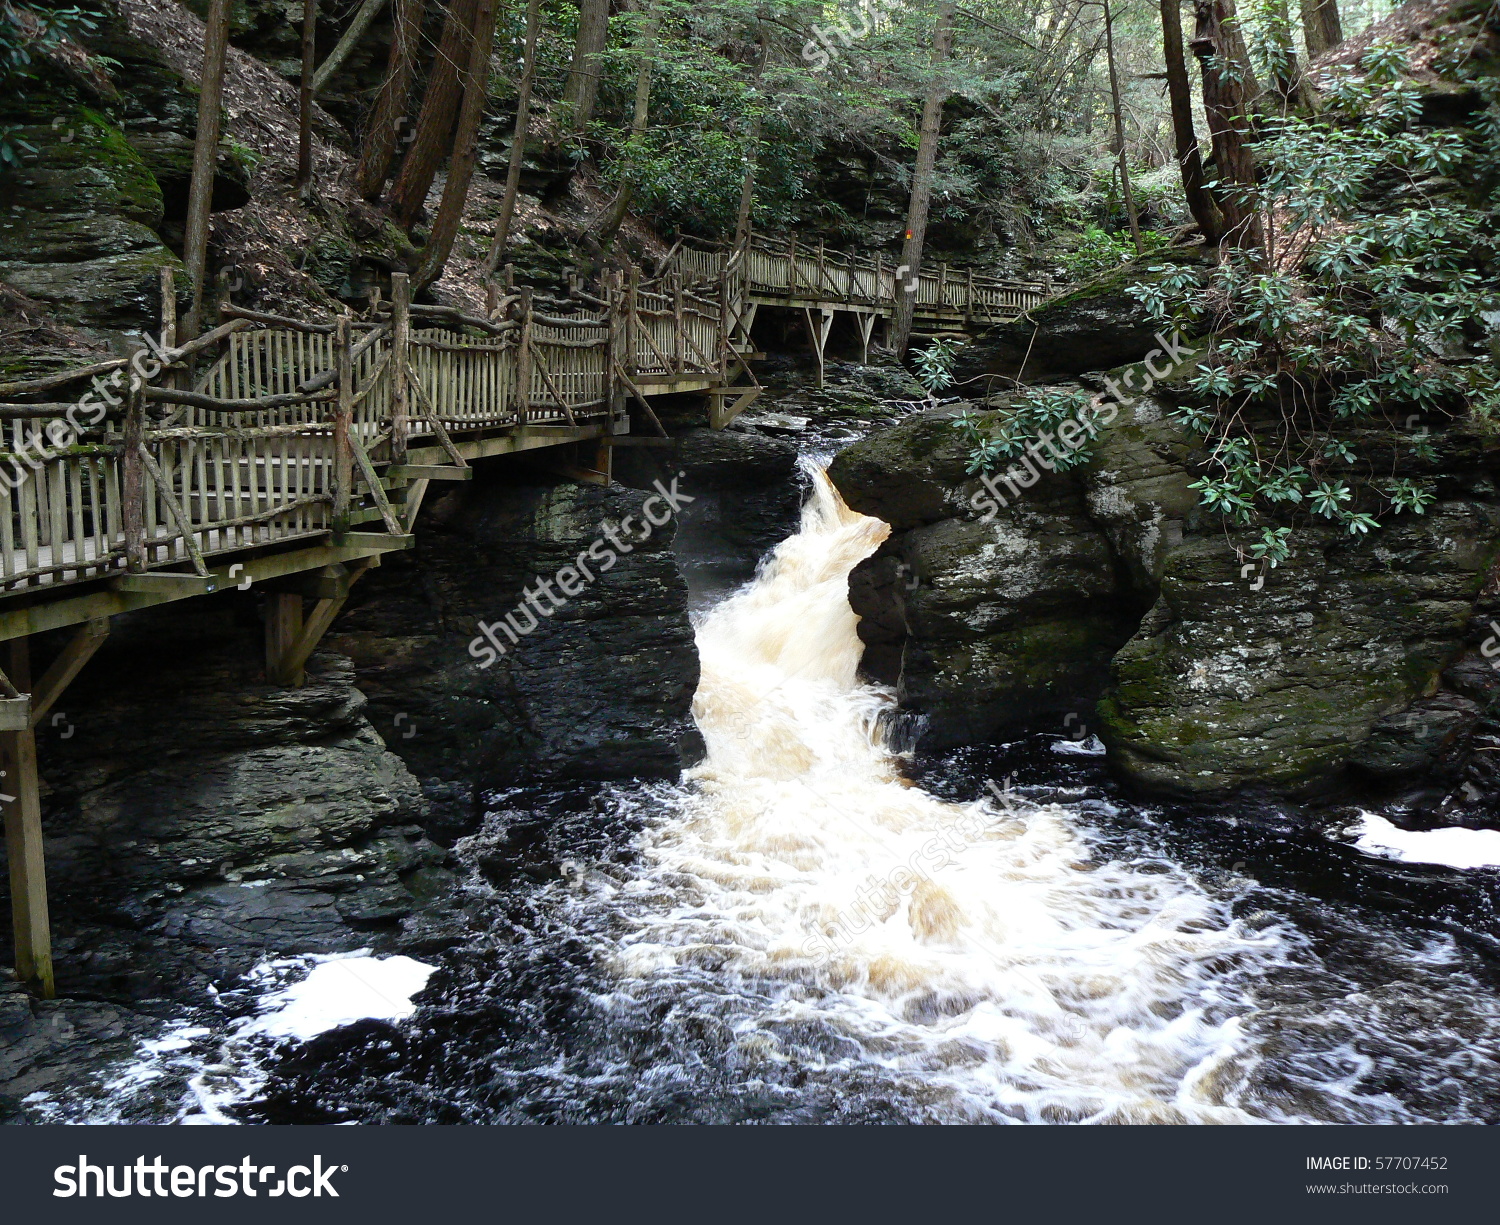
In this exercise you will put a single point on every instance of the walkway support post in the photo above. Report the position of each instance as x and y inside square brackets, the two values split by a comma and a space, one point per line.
[23, 833]
[400, 372]
[343, 420]
[283, 628]
[133, 482]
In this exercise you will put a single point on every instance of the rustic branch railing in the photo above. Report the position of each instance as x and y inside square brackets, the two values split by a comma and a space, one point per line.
[794, 271]
[286, 432]
[271, 445]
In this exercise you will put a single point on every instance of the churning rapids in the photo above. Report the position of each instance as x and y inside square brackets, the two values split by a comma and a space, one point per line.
[800, 933]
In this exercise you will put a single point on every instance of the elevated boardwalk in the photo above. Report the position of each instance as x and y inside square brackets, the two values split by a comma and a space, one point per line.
[767, 272]
[292, 454]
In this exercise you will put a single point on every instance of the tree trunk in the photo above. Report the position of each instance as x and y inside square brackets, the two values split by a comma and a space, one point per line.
[1114, 96]
[609, 222]
[475, 84]
[359, 24]
[1200, 200]
[581, 89]
[921, 183]
[305, 92]
[205, 160]
[378, 147]
[518, 141]
[1288, 81]
[1321, 26]
[752, 152]
[433, 137]
[1227, 105]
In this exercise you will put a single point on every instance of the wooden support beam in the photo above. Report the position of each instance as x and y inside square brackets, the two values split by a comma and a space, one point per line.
[152, 581]
[721, 411]
[310, 632]
[20, 793]
[866, 324]
[80, 649]
[412, 506]
[818, 333]
[430, 472]
[374, 541]
[283, 629]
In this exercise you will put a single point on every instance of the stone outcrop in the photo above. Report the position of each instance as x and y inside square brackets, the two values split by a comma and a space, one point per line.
[1217, 674]
[196, 817]
[601, 688]
[1093, 326]
[746, 494]
[979, 625]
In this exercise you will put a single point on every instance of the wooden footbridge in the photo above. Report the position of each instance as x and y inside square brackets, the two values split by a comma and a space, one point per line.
[292, 454]
[818, 283]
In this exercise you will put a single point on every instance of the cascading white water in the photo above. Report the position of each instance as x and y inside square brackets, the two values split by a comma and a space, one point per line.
[979, 951]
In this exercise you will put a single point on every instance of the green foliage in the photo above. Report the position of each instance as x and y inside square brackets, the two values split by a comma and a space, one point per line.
[1099, 251]
[1032, 421]
[1352, 315]
[935, 363]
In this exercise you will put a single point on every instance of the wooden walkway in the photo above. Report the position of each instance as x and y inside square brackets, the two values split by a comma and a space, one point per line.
[766, 272]
[293, 454]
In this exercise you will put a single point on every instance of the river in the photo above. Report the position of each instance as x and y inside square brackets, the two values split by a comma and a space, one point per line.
[816, 926]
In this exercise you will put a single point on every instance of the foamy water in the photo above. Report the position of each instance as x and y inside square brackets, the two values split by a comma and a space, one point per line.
[982, 949]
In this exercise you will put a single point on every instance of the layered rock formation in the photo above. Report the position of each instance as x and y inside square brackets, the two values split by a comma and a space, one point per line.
[602, 687]
[1217, 673]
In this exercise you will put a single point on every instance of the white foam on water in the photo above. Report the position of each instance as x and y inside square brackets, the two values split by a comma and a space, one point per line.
[193, 1073]
[981, 952]
[1452, 848]
[340, 990]
[1092, 747]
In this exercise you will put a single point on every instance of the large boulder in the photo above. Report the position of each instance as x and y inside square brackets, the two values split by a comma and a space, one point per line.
[978, 624]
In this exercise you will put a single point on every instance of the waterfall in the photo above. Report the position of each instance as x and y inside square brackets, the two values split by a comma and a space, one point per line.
[982, 951]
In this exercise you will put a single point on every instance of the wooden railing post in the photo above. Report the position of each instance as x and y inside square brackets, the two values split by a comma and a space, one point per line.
[679, 360]
[523, 361]
[611, 344]
[879, 295]
[725, 325]
[632, 321]
[942, 292]
[133, 480]
[400, 373]
[791, 265]
[343, 420]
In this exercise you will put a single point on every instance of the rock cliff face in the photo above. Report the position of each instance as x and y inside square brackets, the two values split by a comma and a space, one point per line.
[196, 817]
[601, 688]
[979, 625]
[1353, 662]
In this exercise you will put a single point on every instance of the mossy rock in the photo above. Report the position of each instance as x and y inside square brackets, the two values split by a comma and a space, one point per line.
[80, 230]
[1093, 326]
